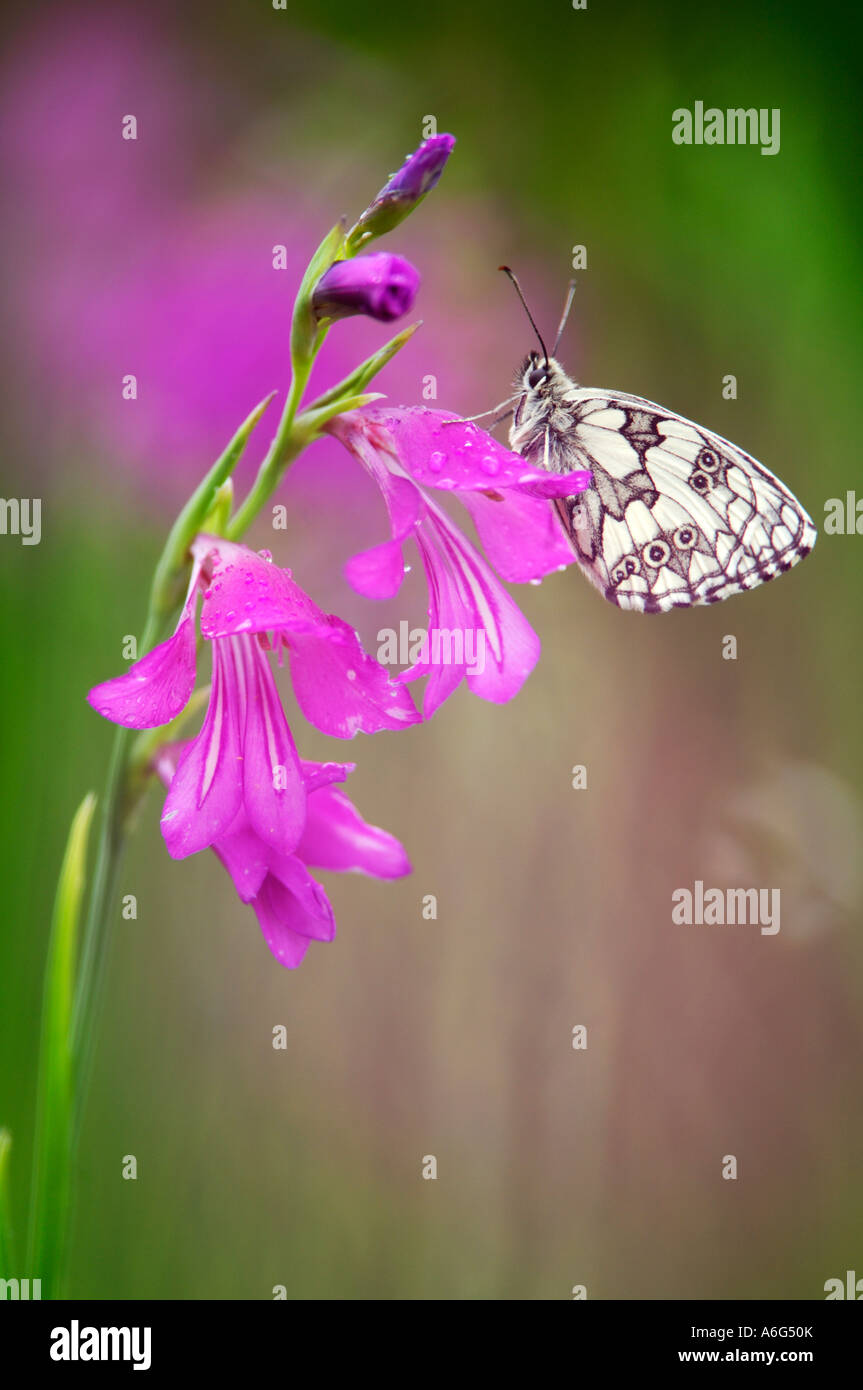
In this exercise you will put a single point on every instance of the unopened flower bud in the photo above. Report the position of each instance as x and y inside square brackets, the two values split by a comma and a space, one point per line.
[417, 176]
[382, 286]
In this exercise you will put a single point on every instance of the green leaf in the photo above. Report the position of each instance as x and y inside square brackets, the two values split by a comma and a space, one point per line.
[362, 375]
[49, 1205]
[7, 1246]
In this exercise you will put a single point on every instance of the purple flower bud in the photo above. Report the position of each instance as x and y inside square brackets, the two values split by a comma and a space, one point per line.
[382, 286]
[417, 177]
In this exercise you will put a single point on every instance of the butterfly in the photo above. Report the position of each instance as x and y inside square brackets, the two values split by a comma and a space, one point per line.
[676, 515]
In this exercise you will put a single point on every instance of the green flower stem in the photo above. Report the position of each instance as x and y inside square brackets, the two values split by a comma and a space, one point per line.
[283, 450]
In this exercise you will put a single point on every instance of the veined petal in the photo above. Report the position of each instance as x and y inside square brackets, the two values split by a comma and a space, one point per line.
[336, 837]
[159, 686]
[437, 449]
[378, 573]
[341, 689]
[521, 535]
[274, 793]
[247, 593]
[480, 632]
[207, 788]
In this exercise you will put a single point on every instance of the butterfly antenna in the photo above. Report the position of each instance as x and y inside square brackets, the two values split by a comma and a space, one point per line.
[506, 270]
[570, 295]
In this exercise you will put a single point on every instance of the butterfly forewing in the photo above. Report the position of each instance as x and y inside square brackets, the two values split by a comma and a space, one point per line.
[676, 514]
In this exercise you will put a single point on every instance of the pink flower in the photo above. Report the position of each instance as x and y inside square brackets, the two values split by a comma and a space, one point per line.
[408, 450]
[243, 766]
[292, 908]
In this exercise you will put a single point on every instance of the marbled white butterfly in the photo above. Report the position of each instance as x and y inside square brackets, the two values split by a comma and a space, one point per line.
[676, 515]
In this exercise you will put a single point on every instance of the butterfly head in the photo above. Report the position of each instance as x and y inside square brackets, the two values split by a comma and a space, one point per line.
[538, 375]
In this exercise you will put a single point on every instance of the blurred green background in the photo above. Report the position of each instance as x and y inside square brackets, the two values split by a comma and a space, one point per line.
[452, 1037]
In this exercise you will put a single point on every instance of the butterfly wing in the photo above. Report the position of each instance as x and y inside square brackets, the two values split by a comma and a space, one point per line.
[676, 515]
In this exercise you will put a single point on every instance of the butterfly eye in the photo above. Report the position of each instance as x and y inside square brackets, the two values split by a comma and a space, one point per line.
[708, 461]
[537, 376]
[685, 537]
[700, 482]
[656, 554]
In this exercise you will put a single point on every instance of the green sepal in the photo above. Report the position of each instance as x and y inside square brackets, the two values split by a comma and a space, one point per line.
[306, 332]
[309, 425]
[367, 371]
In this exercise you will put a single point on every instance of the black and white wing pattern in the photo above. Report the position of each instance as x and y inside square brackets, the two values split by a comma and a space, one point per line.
[676, 514]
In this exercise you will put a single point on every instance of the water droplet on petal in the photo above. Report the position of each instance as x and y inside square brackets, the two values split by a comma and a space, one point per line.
[535, 581]
[436, 462]
[351, 675]
[490, 465]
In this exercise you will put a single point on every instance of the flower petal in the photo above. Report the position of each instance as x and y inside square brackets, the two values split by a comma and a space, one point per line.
[324, 774]
[248, 593]
[521, 535]
[207, 788]
[286, 945]
[437, 449]
[274, 793]
[156, 688]
[341, 689]
[377, 573]
[336, 837]
[475, 629]
[293, 910]
[245, 856]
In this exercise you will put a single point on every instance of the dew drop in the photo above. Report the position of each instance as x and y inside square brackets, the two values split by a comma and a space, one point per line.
[535, 582]
[490, 465]
[351, 675]
[436, 462]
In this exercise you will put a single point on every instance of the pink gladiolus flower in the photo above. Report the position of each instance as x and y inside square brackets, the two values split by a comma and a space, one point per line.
[409, 450]
[243, 766]
[292, 908]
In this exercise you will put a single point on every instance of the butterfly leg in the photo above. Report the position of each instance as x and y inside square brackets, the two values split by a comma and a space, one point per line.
[484, 413]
